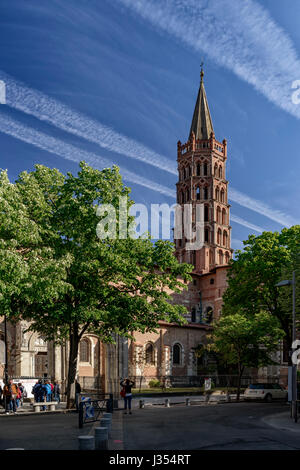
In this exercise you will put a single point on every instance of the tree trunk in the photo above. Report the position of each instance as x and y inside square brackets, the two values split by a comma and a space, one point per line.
[74, 345]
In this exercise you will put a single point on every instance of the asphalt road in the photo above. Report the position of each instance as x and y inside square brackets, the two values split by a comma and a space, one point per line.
[235, 426]
[225, 427]
[44, 432]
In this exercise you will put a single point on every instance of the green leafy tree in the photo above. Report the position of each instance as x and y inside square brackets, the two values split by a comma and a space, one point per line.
[29, 270]
[106, 286]
[245, 341]
[254, 273]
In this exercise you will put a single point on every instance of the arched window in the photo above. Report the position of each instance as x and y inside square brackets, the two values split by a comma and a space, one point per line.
[223, 216]
[149, 353]
[219, 235]
[227, 257]
[218, 215]
[220, 172]
[206, 235]
[222, 195]
[205, 169]
[209, 315]
[225, 238]
[176, 354]
[198, 169]
[216, 170]
[206, 218]
[184, 173]
[220, 257]
[217, 194]
[205, 192]
[187, 195]
[193, 315]
[84, 350]
[198, 194]
[211, 257]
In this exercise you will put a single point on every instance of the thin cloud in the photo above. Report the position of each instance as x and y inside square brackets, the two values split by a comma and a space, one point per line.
[261, 208]
[245, 223]
[54, 112]
[70, 152]
[38, 104]
[241, 36]
[67, 151]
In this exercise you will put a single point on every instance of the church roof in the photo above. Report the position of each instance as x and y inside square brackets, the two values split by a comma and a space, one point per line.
[201, 124]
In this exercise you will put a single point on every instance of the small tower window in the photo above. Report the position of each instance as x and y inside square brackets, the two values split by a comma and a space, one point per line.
[205, 193]
[206, 213]
[205, 169]
[198, 194]
[198, 169]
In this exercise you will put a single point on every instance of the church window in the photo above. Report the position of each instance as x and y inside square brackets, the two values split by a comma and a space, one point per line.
[84, 350]
[205, 193]
[205, 169]
[193, 315]
[220, 257]
[198, 194]
[198, 169]
[227, 257]
[219, 236]
[149, 353]
[209, 315]
[216, 170]
[206, 213]
[206, 235]
[177, 354]
[218, 215]
[222, 195]
[223, 216]
[217, 194]
[187, 195]
[225, 238]
[220, 172]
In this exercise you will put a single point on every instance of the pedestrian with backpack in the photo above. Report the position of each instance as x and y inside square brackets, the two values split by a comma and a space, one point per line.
[126, 393]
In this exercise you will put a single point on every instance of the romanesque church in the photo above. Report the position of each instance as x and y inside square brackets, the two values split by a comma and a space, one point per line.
[172, 352]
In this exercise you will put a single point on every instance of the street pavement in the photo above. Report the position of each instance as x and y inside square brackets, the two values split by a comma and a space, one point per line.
[230, 426]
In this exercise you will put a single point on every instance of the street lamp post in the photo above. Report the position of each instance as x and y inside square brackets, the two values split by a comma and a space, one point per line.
[289, 282]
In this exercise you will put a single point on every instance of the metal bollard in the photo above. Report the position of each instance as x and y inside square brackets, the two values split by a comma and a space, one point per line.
[188, 402]
[142, 403]
[107, 416]
[101, 438]
[106, 423]
[167, 402]
[86, 442]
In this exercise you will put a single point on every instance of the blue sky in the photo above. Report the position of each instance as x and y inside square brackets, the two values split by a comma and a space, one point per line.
[116, 82]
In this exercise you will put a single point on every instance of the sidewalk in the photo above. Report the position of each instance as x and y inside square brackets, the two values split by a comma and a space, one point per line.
[27, 409]
[283, 421]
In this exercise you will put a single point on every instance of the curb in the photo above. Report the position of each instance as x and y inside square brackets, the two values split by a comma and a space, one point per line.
[32, 413]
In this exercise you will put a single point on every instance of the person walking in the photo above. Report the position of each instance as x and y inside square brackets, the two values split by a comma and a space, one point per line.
[56, 391]
[77, 394]
[126, 393]
[48, 391]
[40, 392]
[10, 393]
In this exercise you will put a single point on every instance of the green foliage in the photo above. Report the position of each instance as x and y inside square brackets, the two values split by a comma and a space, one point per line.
[265, 261]
[154, 383]
[247, 341]
[59, 275]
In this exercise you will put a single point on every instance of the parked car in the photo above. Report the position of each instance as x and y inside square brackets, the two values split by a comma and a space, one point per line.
[267, 392]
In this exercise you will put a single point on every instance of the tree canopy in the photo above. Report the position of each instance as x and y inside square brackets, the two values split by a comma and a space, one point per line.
[70, 282]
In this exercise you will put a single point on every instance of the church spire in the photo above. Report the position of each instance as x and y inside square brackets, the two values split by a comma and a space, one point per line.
[201, 123]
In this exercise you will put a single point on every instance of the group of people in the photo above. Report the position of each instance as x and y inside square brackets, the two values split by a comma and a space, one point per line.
[46, 391]
[12, 396]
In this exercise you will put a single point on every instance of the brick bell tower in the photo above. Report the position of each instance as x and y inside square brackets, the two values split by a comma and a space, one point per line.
[202, 179]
